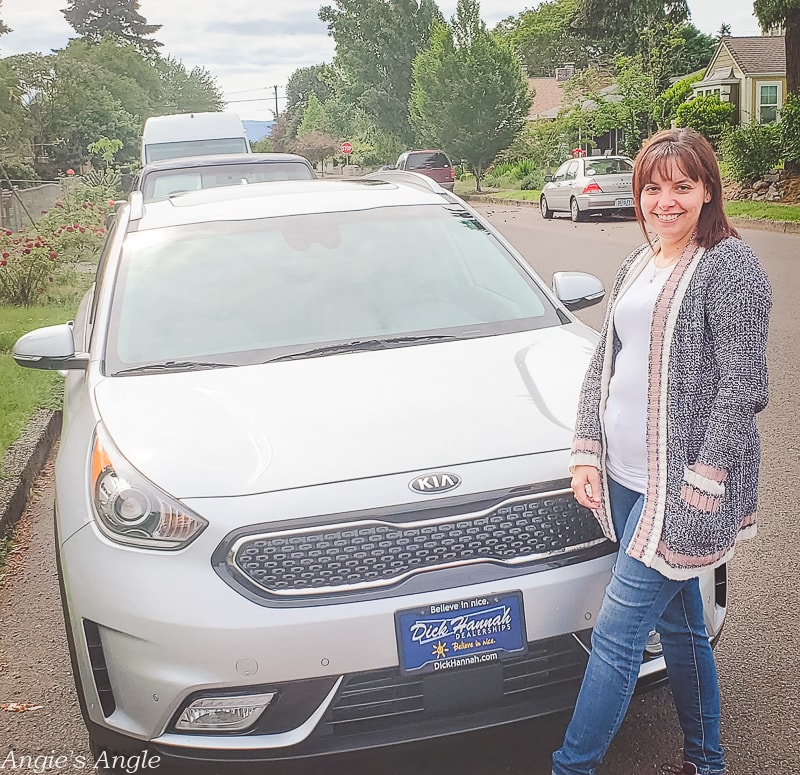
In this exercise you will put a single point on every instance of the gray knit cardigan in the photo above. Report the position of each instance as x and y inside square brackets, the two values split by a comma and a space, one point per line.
[707, 380]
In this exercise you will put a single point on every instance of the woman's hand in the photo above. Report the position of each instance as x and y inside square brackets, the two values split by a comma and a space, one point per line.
[586, 486]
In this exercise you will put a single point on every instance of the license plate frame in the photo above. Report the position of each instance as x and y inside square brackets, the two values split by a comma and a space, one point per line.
[461, 633]
[623, 202]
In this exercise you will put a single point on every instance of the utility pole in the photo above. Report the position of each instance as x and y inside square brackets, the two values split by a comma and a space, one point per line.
[276, 100]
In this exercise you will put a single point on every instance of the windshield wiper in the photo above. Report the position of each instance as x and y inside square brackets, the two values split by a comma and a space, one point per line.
[150, 368]
[358, 345]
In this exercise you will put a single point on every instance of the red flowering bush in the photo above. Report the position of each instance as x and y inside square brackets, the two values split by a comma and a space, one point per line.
[27, 264]
[33, 263]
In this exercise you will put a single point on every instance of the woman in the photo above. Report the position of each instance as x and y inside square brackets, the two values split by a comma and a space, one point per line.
[666, 450]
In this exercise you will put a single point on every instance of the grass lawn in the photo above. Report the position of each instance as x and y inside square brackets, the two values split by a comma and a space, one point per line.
[769, 211]
[22, 391]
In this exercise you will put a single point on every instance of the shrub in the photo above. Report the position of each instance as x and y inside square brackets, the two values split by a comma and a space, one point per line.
[790, 129]
[27, 265]
[708, 115]
[751, 150]
[35, 261]
[533, 182]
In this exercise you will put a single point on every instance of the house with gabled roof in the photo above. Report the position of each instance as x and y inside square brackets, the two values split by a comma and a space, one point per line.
[750, 73]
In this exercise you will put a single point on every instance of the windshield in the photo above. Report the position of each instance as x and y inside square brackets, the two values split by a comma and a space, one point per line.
[418, 161]
[161, 184]
[608, 166]
[207, 147]
[250, 291]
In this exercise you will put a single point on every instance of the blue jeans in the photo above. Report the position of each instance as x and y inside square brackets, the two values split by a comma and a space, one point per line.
[639, 599]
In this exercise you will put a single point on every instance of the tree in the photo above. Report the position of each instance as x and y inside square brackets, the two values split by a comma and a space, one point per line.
[708, 115]
[786, 14]
[187, 91]
[376, 43]
[667, 103]
[304, 82]
[313, 118]
[93, 19]
[316, 146]
[543, 37]
[3, 28]
[618, 23]
[469, 96]
[694, 51]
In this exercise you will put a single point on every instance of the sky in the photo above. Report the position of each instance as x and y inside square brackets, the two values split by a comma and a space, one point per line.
[251, 47]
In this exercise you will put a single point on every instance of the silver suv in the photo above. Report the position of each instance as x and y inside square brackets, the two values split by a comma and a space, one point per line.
[312, 489]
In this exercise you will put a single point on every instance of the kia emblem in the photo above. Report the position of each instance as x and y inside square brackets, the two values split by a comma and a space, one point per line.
[433, 484]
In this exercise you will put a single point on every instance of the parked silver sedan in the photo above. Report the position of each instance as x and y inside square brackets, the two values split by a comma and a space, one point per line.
[587, 185]
[312, 490]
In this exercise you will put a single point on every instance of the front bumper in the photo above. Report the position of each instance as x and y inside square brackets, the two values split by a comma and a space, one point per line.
[182, 631]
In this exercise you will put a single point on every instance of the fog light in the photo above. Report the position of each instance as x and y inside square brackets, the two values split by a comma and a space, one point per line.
[224, 714]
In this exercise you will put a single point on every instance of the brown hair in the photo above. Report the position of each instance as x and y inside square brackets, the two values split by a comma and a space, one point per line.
[696, 158]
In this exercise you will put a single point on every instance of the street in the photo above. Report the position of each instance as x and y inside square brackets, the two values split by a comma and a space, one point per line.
[758, 655]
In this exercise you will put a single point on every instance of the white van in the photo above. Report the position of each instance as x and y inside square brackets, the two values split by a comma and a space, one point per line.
[192, 134]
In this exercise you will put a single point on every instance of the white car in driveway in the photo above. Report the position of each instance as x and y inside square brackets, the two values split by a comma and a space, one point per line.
[312, 489]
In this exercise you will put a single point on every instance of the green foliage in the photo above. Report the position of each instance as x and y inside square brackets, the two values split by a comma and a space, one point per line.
[532, 182]
[185, 91]
[23, 391]
[707, 114]
[306, 81]
[667, 103]
[94, 19]
[376, 43]
[470, 96]
[789, 128]
[751, 150]
[544, 39]
[264, 145]
[694, 52]
[105, 148]
[35, 262]
[83, 92]
[313, 118]
[3, 28]
[618, 26]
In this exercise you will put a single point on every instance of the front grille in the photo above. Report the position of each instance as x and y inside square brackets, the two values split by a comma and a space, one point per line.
[546, 678]
[376, 553]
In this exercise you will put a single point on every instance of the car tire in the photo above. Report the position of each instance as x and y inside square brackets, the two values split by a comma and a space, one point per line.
[575, 212]
[546, 212]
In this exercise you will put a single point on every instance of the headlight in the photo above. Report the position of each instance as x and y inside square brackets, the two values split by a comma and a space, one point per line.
[132, 510]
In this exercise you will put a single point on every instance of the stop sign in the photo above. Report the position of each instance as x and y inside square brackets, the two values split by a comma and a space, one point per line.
[347, 148]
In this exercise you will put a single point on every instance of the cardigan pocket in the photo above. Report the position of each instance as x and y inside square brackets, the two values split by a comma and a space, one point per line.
[703, 492]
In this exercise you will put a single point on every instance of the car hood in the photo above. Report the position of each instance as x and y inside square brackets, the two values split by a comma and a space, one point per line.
[255, 429]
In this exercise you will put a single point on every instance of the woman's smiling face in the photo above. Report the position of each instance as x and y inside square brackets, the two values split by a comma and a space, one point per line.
[671, 205]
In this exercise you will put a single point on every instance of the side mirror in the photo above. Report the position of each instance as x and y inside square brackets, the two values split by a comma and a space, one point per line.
[548, 178]
[52, 347]
[577, 290]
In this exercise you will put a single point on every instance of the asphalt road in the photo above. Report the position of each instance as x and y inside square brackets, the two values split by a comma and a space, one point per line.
[758, 656]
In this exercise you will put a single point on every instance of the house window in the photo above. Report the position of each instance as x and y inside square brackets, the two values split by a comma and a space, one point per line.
[768, 103]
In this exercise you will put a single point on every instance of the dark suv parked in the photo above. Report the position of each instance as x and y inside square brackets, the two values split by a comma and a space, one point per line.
[434, 164]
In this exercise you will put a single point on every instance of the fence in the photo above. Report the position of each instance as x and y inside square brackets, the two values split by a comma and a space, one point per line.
[20, 206]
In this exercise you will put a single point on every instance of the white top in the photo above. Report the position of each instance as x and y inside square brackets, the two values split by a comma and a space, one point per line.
[625, 417]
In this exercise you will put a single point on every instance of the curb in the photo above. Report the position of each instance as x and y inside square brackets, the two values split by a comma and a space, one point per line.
[784, 227]
[23, 462]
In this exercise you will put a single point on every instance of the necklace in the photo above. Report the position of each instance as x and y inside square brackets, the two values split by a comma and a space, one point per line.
[658, 270]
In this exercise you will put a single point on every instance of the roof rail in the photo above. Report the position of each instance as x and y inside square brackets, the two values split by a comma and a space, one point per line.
[136, 202]
[409, 178]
